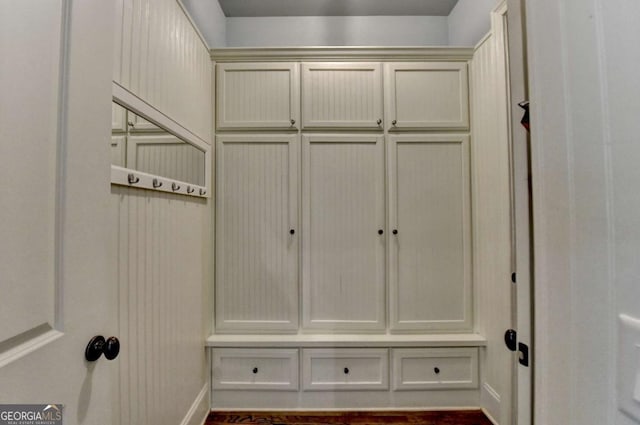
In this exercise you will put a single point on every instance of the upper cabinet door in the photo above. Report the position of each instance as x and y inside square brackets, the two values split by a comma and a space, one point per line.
[430, 232]
[343, 232]
[427, 95]
[342, 95]
[257, 96]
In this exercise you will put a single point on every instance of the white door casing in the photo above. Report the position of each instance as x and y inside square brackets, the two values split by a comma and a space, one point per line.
[56, 259]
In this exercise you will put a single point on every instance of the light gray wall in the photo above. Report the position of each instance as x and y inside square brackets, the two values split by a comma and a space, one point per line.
[469, 21]
[337, 31]
[210, 19]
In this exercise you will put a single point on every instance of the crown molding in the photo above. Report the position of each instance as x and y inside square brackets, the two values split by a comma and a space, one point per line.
[342, 53]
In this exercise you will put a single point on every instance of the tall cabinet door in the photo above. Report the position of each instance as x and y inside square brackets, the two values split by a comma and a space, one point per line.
[427, 95]
[257, 233]
[343, 232]
[430, 241]
[342, 95]
[257, 96]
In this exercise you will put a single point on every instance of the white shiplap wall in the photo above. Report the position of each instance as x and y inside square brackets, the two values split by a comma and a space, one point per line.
[160, 57]
[491, 221]
[161, 286]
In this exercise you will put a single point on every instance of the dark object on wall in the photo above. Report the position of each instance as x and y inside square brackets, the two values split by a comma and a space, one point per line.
[525, 118]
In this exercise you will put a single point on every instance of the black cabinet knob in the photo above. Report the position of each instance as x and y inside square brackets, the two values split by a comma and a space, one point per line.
[98, 346]
[436, 370]
[394, 231]
[292, 231]
[346, 370]
[380, 231]
[255, 370]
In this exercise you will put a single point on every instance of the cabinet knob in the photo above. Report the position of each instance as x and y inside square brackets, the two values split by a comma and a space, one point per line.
[292, 231]
[255, 370]
[379, 121]
[394, 122]
[293, 122]
[436, 370]
[380, 231]
[394, 231]
[346, 370]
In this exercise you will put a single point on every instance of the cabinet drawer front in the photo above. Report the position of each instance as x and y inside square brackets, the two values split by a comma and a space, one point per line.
[345, 369]
[435, 368]
[255, 369]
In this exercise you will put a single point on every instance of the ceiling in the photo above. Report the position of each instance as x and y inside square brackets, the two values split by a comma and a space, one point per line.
[238, 8]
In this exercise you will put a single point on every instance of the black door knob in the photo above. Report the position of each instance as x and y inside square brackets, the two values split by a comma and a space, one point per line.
[98, 346]
[380, 231]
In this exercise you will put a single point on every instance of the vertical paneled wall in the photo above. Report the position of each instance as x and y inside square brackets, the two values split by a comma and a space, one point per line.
[491, 220]
[163, 239]
[160, 57]
[161, 287]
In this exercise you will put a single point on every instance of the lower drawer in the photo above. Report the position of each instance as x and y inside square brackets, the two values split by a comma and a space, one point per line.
[435, 368]
[255, 369]
[345, 369]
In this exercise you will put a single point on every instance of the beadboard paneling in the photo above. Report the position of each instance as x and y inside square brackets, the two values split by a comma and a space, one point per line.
[256, 256]
[160, 57]
[341, 95]
[257, 95]
[343, 255]
[427, 95]
[160, 286]
[430, 257]
[167, 156]
[492, 223]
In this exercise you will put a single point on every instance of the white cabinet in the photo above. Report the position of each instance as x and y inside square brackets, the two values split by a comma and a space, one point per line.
[342, 95]
[257, 96]
[430, 240]
[345, 369]
[255, 369]
[344, 240]
[427, 95]
[257, 233]
[435, 368]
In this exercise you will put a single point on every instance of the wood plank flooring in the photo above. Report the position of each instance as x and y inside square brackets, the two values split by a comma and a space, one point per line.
[458, 417]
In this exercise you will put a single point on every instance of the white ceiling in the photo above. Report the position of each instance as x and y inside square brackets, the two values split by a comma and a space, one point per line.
[237, 8]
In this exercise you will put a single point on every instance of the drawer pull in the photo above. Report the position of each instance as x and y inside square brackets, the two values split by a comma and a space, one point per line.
[436, 370]
[346, 370]
[255, 370]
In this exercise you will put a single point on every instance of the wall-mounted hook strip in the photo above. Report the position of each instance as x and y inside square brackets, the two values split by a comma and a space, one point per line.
[190, 189]
[203, 192]
[175, 186]
[157, 183]
[132, 178]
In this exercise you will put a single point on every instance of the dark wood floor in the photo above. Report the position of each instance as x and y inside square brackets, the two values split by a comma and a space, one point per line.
[466, 417]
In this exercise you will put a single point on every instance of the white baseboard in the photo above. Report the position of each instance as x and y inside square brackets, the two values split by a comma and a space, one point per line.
[490, 400]
[199, 410]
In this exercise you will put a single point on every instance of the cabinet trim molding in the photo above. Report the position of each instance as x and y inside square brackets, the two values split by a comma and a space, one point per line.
[341, 53]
